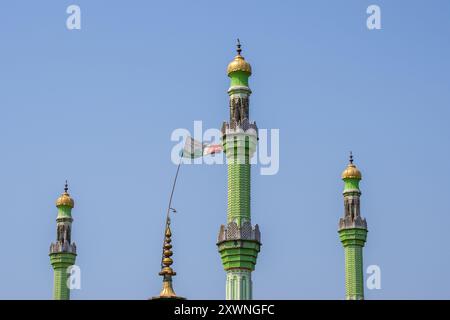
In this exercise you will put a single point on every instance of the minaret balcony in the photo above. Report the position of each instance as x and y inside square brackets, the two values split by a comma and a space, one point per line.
[233, 232]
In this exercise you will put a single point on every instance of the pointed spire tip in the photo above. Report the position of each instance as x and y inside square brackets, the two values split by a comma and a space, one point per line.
[238, 47]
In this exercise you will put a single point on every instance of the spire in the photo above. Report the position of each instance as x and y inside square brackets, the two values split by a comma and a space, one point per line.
[167, 272]
[238, 47]
[239, 63]
[351, 172]
[65, 199]
[166, 260]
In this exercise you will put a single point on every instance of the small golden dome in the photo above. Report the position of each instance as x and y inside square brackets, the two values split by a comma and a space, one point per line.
[239, 63]
[65, 199]
[351, 172]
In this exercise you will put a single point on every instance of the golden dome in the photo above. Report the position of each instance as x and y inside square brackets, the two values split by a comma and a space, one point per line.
[239, 63]
[65, 199]
[351, 172]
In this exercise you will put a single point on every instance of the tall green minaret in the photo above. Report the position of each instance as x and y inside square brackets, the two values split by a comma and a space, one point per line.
[239, 242]
[63, 251]
[353, 233]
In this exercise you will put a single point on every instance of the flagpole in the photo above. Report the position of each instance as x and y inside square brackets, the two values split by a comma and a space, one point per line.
[170, 204]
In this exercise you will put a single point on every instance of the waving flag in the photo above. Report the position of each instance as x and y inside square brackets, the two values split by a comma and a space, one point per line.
[195, 149]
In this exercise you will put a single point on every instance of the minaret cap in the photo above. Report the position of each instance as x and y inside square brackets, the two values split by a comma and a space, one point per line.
[65, 199]
[351, 172]
[239, 63]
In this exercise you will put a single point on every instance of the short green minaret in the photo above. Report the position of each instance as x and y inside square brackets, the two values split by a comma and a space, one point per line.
[238, 241]
[63, 251]
[353, 233]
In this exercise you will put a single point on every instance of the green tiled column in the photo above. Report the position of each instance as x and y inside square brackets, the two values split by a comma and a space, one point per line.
[353, 241]
[61, 262]
[238, 192]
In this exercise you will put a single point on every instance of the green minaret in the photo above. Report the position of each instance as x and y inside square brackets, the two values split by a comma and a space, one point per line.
[353, 233]
[63, 251]
[239, 242]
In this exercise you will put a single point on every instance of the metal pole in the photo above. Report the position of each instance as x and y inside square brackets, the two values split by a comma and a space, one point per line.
[170, 207]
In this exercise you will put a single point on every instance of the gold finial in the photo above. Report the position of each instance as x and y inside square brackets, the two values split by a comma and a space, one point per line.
[167, 272]
[239, 63]
[65, 199]
[351, 172]
[167, 261]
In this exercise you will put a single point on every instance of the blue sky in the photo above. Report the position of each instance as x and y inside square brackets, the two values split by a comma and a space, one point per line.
[97, 106]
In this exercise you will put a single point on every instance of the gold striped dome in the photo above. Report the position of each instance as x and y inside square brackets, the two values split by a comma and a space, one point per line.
[239, 63]
[65, 199]
[351, 172]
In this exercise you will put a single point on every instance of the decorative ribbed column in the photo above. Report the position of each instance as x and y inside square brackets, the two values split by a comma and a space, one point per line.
[353, 233]
[239, 242]
[63, 252]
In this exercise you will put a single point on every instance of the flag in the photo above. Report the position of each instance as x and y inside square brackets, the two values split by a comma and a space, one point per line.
[195, 149]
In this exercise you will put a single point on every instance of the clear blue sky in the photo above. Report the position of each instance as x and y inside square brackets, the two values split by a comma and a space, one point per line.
[97, 106]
